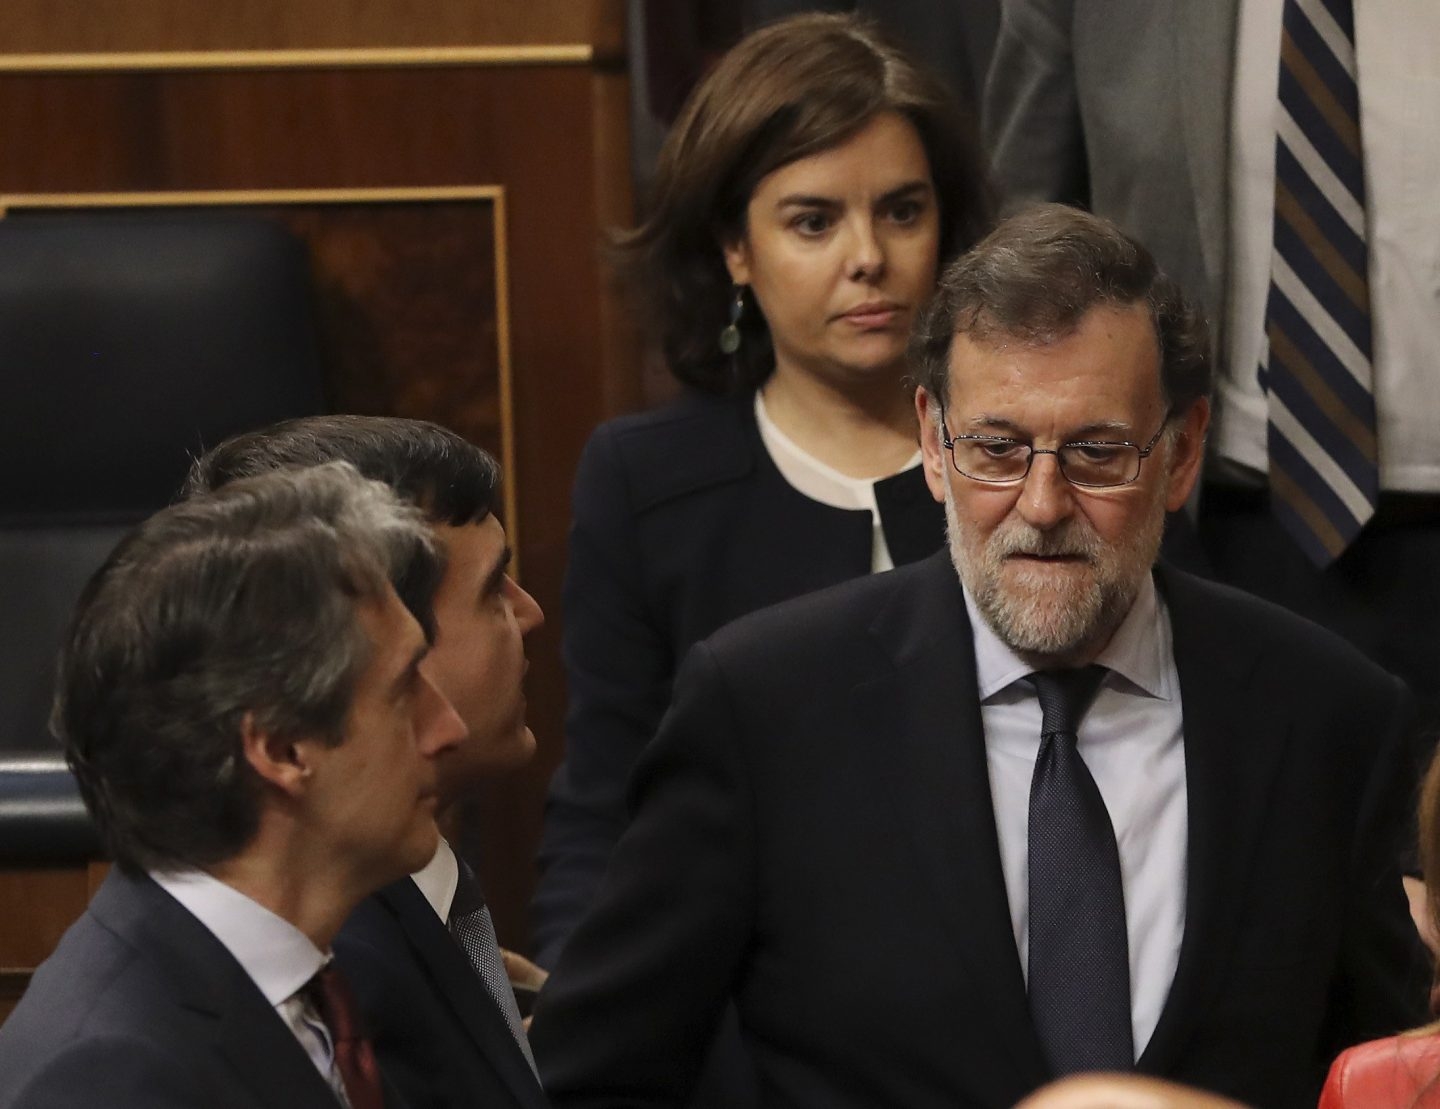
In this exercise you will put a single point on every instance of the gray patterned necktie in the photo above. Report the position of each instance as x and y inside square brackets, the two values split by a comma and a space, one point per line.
[474, 931]
[1079, 965]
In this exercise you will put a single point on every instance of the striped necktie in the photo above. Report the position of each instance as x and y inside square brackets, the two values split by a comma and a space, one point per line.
[1324, 469]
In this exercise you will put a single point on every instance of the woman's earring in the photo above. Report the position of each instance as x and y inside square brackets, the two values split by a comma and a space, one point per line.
[730, 333]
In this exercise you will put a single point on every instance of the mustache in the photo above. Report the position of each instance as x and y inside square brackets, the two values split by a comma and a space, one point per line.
[1072, 540]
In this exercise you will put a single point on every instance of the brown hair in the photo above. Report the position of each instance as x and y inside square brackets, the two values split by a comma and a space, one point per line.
[1035, 277]
[787, 91]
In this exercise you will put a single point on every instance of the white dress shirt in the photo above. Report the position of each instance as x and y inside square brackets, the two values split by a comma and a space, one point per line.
[278, 957]
[1131, 741]
[808, 475]
[439, 878]
[1397, 42]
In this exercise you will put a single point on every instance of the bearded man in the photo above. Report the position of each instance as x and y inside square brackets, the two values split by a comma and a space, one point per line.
[1031, 808]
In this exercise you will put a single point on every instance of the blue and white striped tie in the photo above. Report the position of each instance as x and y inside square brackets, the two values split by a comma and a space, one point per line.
[1324, 463]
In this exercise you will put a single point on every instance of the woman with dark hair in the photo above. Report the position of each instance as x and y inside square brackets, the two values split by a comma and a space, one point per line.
[803, 202]
[1401, 1072]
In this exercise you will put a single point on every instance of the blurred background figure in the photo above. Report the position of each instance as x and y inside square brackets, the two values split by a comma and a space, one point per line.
[1117, 1091]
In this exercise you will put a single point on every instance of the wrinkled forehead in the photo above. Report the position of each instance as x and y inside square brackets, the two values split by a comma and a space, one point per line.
[1105, 366]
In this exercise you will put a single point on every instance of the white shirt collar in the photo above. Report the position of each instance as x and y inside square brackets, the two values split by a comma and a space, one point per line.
[1140, 651]
[277, 956]
[438, 879]
[808, 474]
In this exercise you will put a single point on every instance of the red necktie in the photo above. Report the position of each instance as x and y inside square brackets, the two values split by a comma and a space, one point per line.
[354, 1056]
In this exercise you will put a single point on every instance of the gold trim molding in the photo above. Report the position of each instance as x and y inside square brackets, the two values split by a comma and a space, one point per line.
[494, 194]
[343, 58]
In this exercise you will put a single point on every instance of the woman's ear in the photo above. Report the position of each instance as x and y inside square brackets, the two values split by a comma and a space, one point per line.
[737, 260]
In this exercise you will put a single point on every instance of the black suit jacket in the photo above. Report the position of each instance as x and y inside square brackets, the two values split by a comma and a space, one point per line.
[439, 1036]
[814, 838]
[140, 1005]
[681, 524]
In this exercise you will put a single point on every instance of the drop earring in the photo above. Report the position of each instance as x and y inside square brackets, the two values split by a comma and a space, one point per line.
[730, 333]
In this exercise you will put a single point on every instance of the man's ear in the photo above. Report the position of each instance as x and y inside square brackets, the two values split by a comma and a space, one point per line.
[284, 763]
[932, 451]
[1187, 453]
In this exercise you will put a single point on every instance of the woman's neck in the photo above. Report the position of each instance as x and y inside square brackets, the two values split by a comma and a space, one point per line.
[862, 433]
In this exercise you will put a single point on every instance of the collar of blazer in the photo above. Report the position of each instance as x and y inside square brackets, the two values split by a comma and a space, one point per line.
[217, 996]
[452, 978]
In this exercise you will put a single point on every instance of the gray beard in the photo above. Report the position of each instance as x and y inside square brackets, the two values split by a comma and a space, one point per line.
[1049, 619]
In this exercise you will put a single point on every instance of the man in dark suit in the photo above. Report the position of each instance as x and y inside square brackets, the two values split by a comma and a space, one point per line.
[242, 703]
[1031, 808]
[437, 999]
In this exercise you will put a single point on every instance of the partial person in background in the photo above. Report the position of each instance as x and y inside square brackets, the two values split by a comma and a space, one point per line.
[242, 701]
[1402, 1072]
[1120, 1091]
[1279, 158]
[421, 953]
[805, 198]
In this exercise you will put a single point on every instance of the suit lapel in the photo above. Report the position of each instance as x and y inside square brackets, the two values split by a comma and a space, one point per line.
[453, 979]
[224, 1005]
[1204, 80]
[1235, 740]
[924, 713]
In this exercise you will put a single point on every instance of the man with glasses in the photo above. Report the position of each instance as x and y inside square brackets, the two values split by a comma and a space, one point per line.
[1034, 807]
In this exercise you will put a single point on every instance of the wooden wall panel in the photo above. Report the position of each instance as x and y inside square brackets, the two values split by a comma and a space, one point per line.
[70, 26]
[546, 136]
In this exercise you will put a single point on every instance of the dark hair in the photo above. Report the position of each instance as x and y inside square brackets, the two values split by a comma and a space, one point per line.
[1429, 828]
[235, 604]
[789, 90]
[450, 479]
[1034, 278]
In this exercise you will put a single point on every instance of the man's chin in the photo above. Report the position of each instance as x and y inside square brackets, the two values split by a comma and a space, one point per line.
[1048, 622]
[417, 849]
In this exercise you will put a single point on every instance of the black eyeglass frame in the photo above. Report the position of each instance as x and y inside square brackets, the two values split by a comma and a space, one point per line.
[1142, 453]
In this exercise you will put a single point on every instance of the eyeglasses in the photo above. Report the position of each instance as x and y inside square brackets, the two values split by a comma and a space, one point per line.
[1092, 465]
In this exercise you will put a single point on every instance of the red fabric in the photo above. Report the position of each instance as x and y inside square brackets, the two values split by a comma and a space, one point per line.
[354, 1055]
[1402, 1072]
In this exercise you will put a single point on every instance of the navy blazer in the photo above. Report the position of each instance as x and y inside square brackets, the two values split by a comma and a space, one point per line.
[440, 1038]
[141, 1006]
[813, 840]
[681, 523]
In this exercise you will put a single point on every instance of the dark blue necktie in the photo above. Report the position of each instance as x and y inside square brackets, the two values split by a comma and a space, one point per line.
[1079, 965]
[1319, 382]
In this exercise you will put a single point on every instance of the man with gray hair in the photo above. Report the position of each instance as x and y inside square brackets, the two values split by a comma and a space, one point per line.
[421, 953]
[1033, 807]
[241, 700]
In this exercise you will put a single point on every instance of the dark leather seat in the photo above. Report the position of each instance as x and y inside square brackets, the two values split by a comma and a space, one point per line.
[129, 342]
